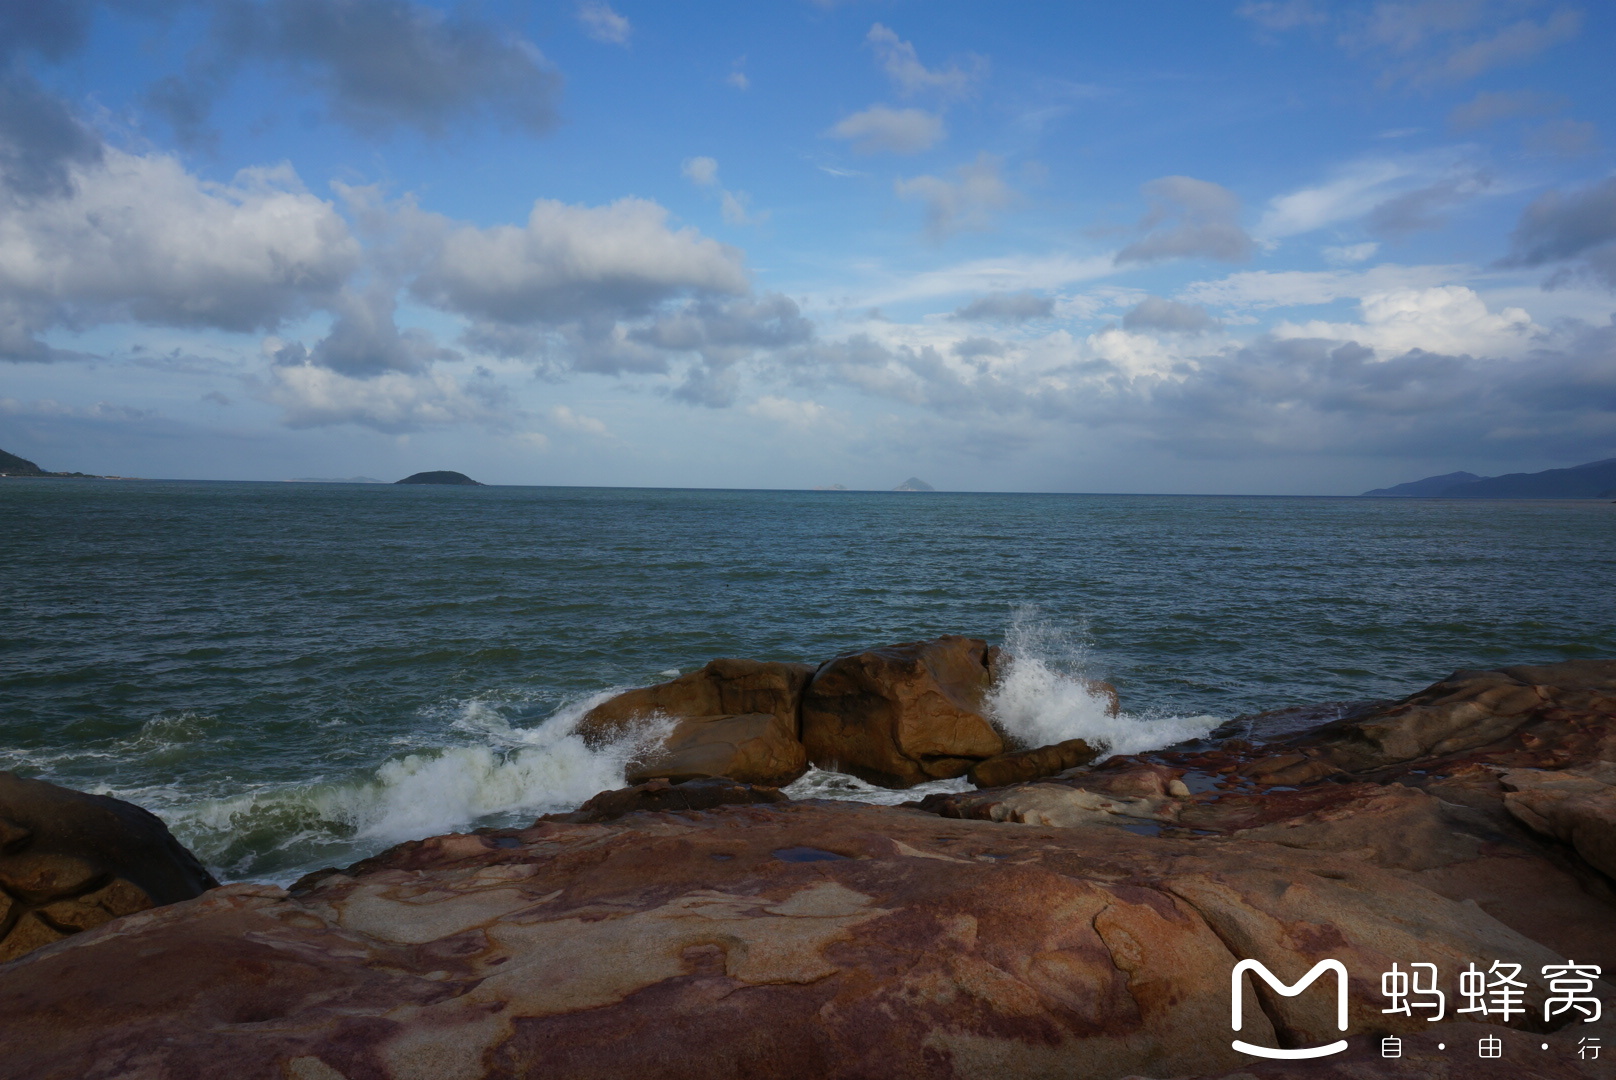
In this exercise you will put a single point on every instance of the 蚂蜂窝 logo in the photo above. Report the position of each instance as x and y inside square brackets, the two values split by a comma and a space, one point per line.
[1279, 986]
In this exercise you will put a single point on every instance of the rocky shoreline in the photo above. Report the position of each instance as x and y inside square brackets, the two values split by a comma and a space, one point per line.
[1066, 918]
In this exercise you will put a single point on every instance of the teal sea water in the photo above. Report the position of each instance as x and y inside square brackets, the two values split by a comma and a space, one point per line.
[298, 675]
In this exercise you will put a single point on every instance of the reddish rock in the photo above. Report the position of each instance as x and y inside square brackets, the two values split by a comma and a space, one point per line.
[1023, 765]
[902, 715]
[71, 861]
[1575, 806]
[754, 748]
[655, 795]
[781, 941]
[719, 688]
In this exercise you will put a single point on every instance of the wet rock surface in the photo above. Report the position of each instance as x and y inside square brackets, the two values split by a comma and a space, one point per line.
[1083, 924]
[904, 714]
[71, 861]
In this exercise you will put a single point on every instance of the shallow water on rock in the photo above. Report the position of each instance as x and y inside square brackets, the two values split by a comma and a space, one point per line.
[298, 675]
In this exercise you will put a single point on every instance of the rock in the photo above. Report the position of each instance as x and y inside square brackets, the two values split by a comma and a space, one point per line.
[781, 941]
[1576, 806]
[902, 715]
[442, 476]
[1022, 765]
[754, 748]
[664, 795]
[719, 688]
[70, 862]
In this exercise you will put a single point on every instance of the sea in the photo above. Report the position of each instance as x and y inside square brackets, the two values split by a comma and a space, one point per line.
[299, 675]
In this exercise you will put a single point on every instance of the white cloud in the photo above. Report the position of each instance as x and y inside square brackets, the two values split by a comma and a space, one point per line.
[968, 201]
[738, 80]
[1289, 288]
[702, 171]
[1351, 253]
[1449, 319]
[603, 24]
[394, 402]
[570, 263]
[788, 411]
[911, 77]
[895, 131]
[139, 238]
[563, 417]
[1355, 190]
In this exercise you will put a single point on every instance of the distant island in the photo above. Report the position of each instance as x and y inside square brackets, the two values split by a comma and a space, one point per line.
[831, 487]
[442, 476]
[12, 465]
[1595, 480]
[914, 483]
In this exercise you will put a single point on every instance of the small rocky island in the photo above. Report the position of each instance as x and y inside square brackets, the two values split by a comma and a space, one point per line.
[1070, 916]
[442, 476]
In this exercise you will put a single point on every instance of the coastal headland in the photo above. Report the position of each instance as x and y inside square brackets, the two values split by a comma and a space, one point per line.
[1073, 915]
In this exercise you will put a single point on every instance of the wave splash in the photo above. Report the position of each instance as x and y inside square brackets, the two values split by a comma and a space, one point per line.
[1046, 696]
[507, 777]
[486, 770]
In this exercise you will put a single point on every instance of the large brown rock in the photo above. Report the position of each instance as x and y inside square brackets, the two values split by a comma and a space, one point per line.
[901, 715]
[796, 940]
[71, 861]
[754, 748]
[719, 688]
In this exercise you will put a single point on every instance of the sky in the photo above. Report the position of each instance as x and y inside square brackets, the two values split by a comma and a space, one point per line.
[1177, 246]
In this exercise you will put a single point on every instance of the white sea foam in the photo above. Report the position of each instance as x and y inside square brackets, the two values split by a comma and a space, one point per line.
[508, 775]
[817, 783]
[1045, 696]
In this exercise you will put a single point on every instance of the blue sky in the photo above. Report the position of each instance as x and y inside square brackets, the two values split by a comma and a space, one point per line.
[1268, 247]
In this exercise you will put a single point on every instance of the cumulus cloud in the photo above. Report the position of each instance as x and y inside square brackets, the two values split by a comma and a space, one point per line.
[137, 238]
[394, 402]
[1449, 319]
[911, 77]
[379, 64]
[1264, 289]
[1189, 218]
[1168, 316]
[603, 24]
[881, 129]
[570, 263]
[968, 201]
[1006, 307]
[1575, 229]
[365, 340]
[1326, 394]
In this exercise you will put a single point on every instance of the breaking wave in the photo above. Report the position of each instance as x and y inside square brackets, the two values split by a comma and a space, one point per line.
[1047, 695]
[473, 766]
[510, 775]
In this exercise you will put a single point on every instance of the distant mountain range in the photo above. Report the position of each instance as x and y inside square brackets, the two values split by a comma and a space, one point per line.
[1595, 480]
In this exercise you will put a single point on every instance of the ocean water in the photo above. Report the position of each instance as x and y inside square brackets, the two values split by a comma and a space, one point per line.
[299, 675]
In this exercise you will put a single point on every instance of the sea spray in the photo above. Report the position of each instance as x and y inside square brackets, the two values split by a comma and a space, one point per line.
[506, 777]
[1046, 695]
